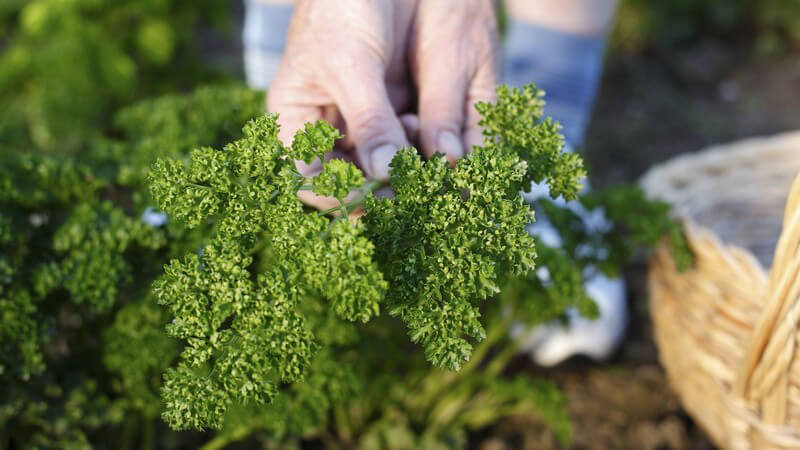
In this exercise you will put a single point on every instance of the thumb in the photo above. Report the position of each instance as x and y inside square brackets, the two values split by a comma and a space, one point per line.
[372, 123]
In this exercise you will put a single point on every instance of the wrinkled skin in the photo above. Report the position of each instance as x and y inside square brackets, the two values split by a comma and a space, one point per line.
[388, 73]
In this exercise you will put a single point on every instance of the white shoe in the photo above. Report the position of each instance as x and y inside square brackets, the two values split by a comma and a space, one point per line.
[154, 218]
[552, 343]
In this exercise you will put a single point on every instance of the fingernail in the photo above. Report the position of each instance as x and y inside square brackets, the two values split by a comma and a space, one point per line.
[410, 123]
[308, 170]
[450, 144]
[380, 158]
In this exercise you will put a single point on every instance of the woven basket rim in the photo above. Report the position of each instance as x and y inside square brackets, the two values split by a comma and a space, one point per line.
[695, 182]
[750, 376]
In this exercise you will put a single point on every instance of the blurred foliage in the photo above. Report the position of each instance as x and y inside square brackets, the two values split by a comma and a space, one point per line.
[643, 24]
[66, 65]
[82, 343]
[170, 126]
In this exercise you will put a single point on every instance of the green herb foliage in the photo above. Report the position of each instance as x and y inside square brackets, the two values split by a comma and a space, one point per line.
[253, 315]
[82, 342]
[67, 64]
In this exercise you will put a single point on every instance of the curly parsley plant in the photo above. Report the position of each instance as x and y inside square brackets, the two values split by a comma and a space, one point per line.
[430, 255]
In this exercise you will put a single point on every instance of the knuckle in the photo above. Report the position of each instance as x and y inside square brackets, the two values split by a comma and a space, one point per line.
[443, 109]
[369, 120]
[275, 99]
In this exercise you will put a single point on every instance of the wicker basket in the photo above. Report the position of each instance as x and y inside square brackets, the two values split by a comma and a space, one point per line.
[727, 329]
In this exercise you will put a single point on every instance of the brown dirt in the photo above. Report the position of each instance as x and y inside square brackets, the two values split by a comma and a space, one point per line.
[653, 107]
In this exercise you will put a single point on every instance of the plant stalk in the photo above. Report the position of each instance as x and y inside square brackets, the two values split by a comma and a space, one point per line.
[221, 440]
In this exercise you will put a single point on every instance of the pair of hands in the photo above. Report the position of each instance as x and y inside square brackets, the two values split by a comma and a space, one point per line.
[387, 73]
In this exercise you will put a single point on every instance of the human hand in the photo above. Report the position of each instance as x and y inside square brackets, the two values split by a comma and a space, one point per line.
[360, 64]
[453, 58]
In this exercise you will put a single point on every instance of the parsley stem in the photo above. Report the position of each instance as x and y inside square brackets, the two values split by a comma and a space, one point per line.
[222, 440]
[198, 186]
[330, 210]
[367, 188]
[498, 330]
[147, 435]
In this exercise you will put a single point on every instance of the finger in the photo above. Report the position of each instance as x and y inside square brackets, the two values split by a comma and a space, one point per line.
[293, 119]
[371, 121]
[320, 202]
[331, 114]
[324, 203]
[411, 126]
[310, 170]
[358, 213]
[293, 114]
[453, 51]
[442, 95]
[294, 111]
[481, 89]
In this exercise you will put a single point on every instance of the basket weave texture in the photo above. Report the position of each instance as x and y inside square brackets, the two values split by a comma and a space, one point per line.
[727, 329]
